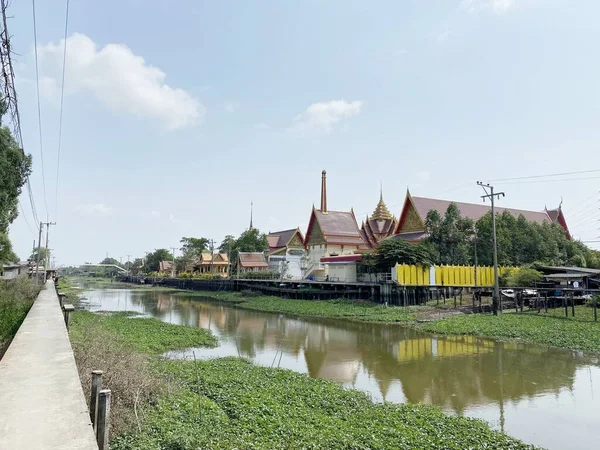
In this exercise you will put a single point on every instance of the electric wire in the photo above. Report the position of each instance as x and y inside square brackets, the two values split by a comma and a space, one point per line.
[39, 108]
[60, 121]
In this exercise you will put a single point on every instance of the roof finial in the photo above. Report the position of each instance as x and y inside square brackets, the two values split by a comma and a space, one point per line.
[381, 190]
[560, 204]
[324, 191]
[251, 207]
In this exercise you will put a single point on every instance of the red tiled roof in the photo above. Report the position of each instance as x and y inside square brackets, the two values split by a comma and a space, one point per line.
[252, 259]
[373, 231]
[339, 227]
[472, 210]
[341, 258]
[164, 265]
[273, 240]
[279, 239]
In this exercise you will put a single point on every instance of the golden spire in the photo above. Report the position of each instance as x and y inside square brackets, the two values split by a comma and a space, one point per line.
[381, 211]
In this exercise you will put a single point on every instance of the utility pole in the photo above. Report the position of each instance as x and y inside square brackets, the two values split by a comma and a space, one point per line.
[145, 259]
[47, 262]
[212, 256]
[173, 265]
[39, 249]
[475, 245]
[489, 193]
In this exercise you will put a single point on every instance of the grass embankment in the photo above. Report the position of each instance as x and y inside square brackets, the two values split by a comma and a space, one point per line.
[356, 310]
[142, 334]
[229, 403]
[16, 298]
[577, 333]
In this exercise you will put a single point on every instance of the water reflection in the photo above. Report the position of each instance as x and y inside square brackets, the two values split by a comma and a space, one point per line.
[520, 389]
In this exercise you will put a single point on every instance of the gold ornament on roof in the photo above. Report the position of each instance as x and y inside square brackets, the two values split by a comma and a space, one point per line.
[381, 211]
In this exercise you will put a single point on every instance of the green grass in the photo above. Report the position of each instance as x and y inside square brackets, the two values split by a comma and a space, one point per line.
[355, 310]
[229, 403]
[143, 335]
[16, 298]
[553, 330]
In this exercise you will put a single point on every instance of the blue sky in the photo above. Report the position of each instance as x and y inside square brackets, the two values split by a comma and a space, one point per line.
[178, 114]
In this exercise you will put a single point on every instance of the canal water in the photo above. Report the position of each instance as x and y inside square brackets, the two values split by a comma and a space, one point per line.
[543, 396]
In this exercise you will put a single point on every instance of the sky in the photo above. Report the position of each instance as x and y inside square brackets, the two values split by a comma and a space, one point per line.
[178, 115]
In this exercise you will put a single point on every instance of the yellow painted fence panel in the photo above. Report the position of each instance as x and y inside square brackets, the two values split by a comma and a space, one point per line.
[460, 276]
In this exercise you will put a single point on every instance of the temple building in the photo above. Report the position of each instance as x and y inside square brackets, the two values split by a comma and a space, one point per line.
[251, 262]
[217, 264]
[557, 216]
[286, 251]
[379, 226]
[330, 234]
[411, 225]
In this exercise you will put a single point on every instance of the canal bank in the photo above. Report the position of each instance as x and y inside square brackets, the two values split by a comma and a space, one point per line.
[42, 402]
[575, 332]
[517, 388]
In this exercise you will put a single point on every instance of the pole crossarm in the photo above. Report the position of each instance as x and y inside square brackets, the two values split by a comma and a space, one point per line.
[490, 194]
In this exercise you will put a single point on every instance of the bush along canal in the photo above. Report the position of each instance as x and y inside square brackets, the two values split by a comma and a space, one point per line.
[252, 389]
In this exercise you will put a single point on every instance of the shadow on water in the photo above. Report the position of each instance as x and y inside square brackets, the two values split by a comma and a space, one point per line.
[541, 395]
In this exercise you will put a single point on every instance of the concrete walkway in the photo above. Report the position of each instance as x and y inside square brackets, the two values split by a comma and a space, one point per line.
[42, 405]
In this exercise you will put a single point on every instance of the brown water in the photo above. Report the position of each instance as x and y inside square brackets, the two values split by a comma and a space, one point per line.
[543, 396]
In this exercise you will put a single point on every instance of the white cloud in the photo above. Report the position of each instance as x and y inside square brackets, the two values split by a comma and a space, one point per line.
[261, 126]
[95, 209]
[155, 214]
[231, 107]
[498, 6]
[401, 52]
[122, 81]
[322, 116]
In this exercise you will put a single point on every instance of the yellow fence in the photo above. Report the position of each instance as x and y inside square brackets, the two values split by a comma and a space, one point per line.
[409, 275]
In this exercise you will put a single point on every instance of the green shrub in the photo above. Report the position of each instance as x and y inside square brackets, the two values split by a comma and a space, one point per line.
[16, 297]
[524, 277]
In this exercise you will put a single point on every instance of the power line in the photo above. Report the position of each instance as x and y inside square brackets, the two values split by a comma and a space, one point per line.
[553, 181]
[39, 108]
[546, 176]
[25, 217]
[62, 95]
[10, 95]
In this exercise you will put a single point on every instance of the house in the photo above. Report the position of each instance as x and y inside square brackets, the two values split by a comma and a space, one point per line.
[13, 270]
[411, 225]
[252, 262]
[165, 267]
[286, 248]
[341, 268]
[215, 263]
[330, 233]
[571, 276]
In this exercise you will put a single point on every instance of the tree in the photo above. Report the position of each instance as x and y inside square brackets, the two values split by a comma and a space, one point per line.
[15, 167]
[524, 277]
[249, 241]
[34, 253]
[153, 259]
[193, 247]
[450, 237]
[110, 261]
[6, 251]
[136, 266]
[398, 251]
